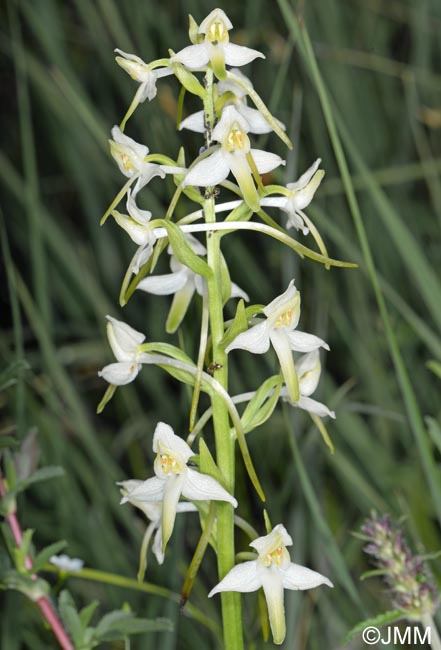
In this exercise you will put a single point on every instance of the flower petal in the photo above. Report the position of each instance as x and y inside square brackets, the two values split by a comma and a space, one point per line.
[157, 546]
[271, 578]
[241, 171]
[179, 306]
[312, 406]
[306, 177]
[281, 343]
[172, 493]
[165, 439]
[194, 57]
[120, 373]
[296, 576]
[303, 342]
[256, 339]
[268, 543]
[210, 171]
[194, 122]
[240, 55]
[243, 577]
[150, 490]
[164, 285]
[265, 161]
[308, 371]
[123, 339]
[237, 292]
[201, 487]
[255, 119]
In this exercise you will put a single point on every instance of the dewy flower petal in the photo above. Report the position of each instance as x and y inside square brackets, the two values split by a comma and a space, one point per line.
[274, 571]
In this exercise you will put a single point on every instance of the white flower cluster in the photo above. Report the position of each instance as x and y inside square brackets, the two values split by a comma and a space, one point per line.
[228, 150]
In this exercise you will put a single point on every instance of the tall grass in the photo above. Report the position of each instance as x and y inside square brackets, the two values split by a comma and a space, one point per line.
[357, 82]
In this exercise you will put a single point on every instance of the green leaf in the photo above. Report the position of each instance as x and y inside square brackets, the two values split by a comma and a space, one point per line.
[435, 367]
[377, 621]
[32, 588]
[323, 430]
[168, 349]
[239, 325]
[71, 618]
[87, 612]
[21, 552]
[207, 464]
[182, 249]
[188, 80]
[44, 555]
[225, 280]
[42, 474]
[119, 624]
[261, 406]
[7, 442]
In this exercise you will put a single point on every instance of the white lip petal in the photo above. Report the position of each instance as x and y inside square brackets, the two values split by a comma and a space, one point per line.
[256, 340]
[172, 493]
[201, 487]
[120, 373]
[296, 576]
[194, 122]
[194, 57]
[157, 546]
[312, 406]
[273, 587]
[164, 285]
[282, 347]
[265, 161]
[303, 342]
[240, 55]
[210, 171]
[243, 577]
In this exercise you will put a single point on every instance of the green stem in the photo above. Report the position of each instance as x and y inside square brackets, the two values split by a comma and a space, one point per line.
[231, 604]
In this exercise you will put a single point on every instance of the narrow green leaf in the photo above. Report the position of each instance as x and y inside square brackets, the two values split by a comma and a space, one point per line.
[261, 406]
[43, 556]
[377, 621]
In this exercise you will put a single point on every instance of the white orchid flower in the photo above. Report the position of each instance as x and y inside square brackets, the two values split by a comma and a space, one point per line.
[216, 47]
[153, 512]
[279, 330]
[300, 196]
[136, 224]
[235, 155]
[174, 478]
[182, 282]
[274, 571]
[130, 157]
[125, 343]
[143, 73]
[308, 369]
[236, 97]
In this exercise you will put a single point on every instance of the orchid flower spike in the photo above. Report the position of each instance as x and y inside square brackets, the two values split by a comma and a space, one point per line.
[283, 315]
[235, 155]
[125, 343]
[231, 93]
[308, 369]
[173, 479]
[216, 48]
[274, 571]
[300, 196]
[182, 282]
[153, 512]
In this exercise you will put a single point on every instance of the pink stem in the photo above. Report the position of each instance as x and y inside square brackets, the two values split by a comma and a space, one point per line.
[43, 602]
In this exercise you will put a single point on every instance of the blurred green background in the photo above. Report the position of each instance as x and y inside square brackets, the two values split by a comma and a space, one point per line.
[379, 61]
